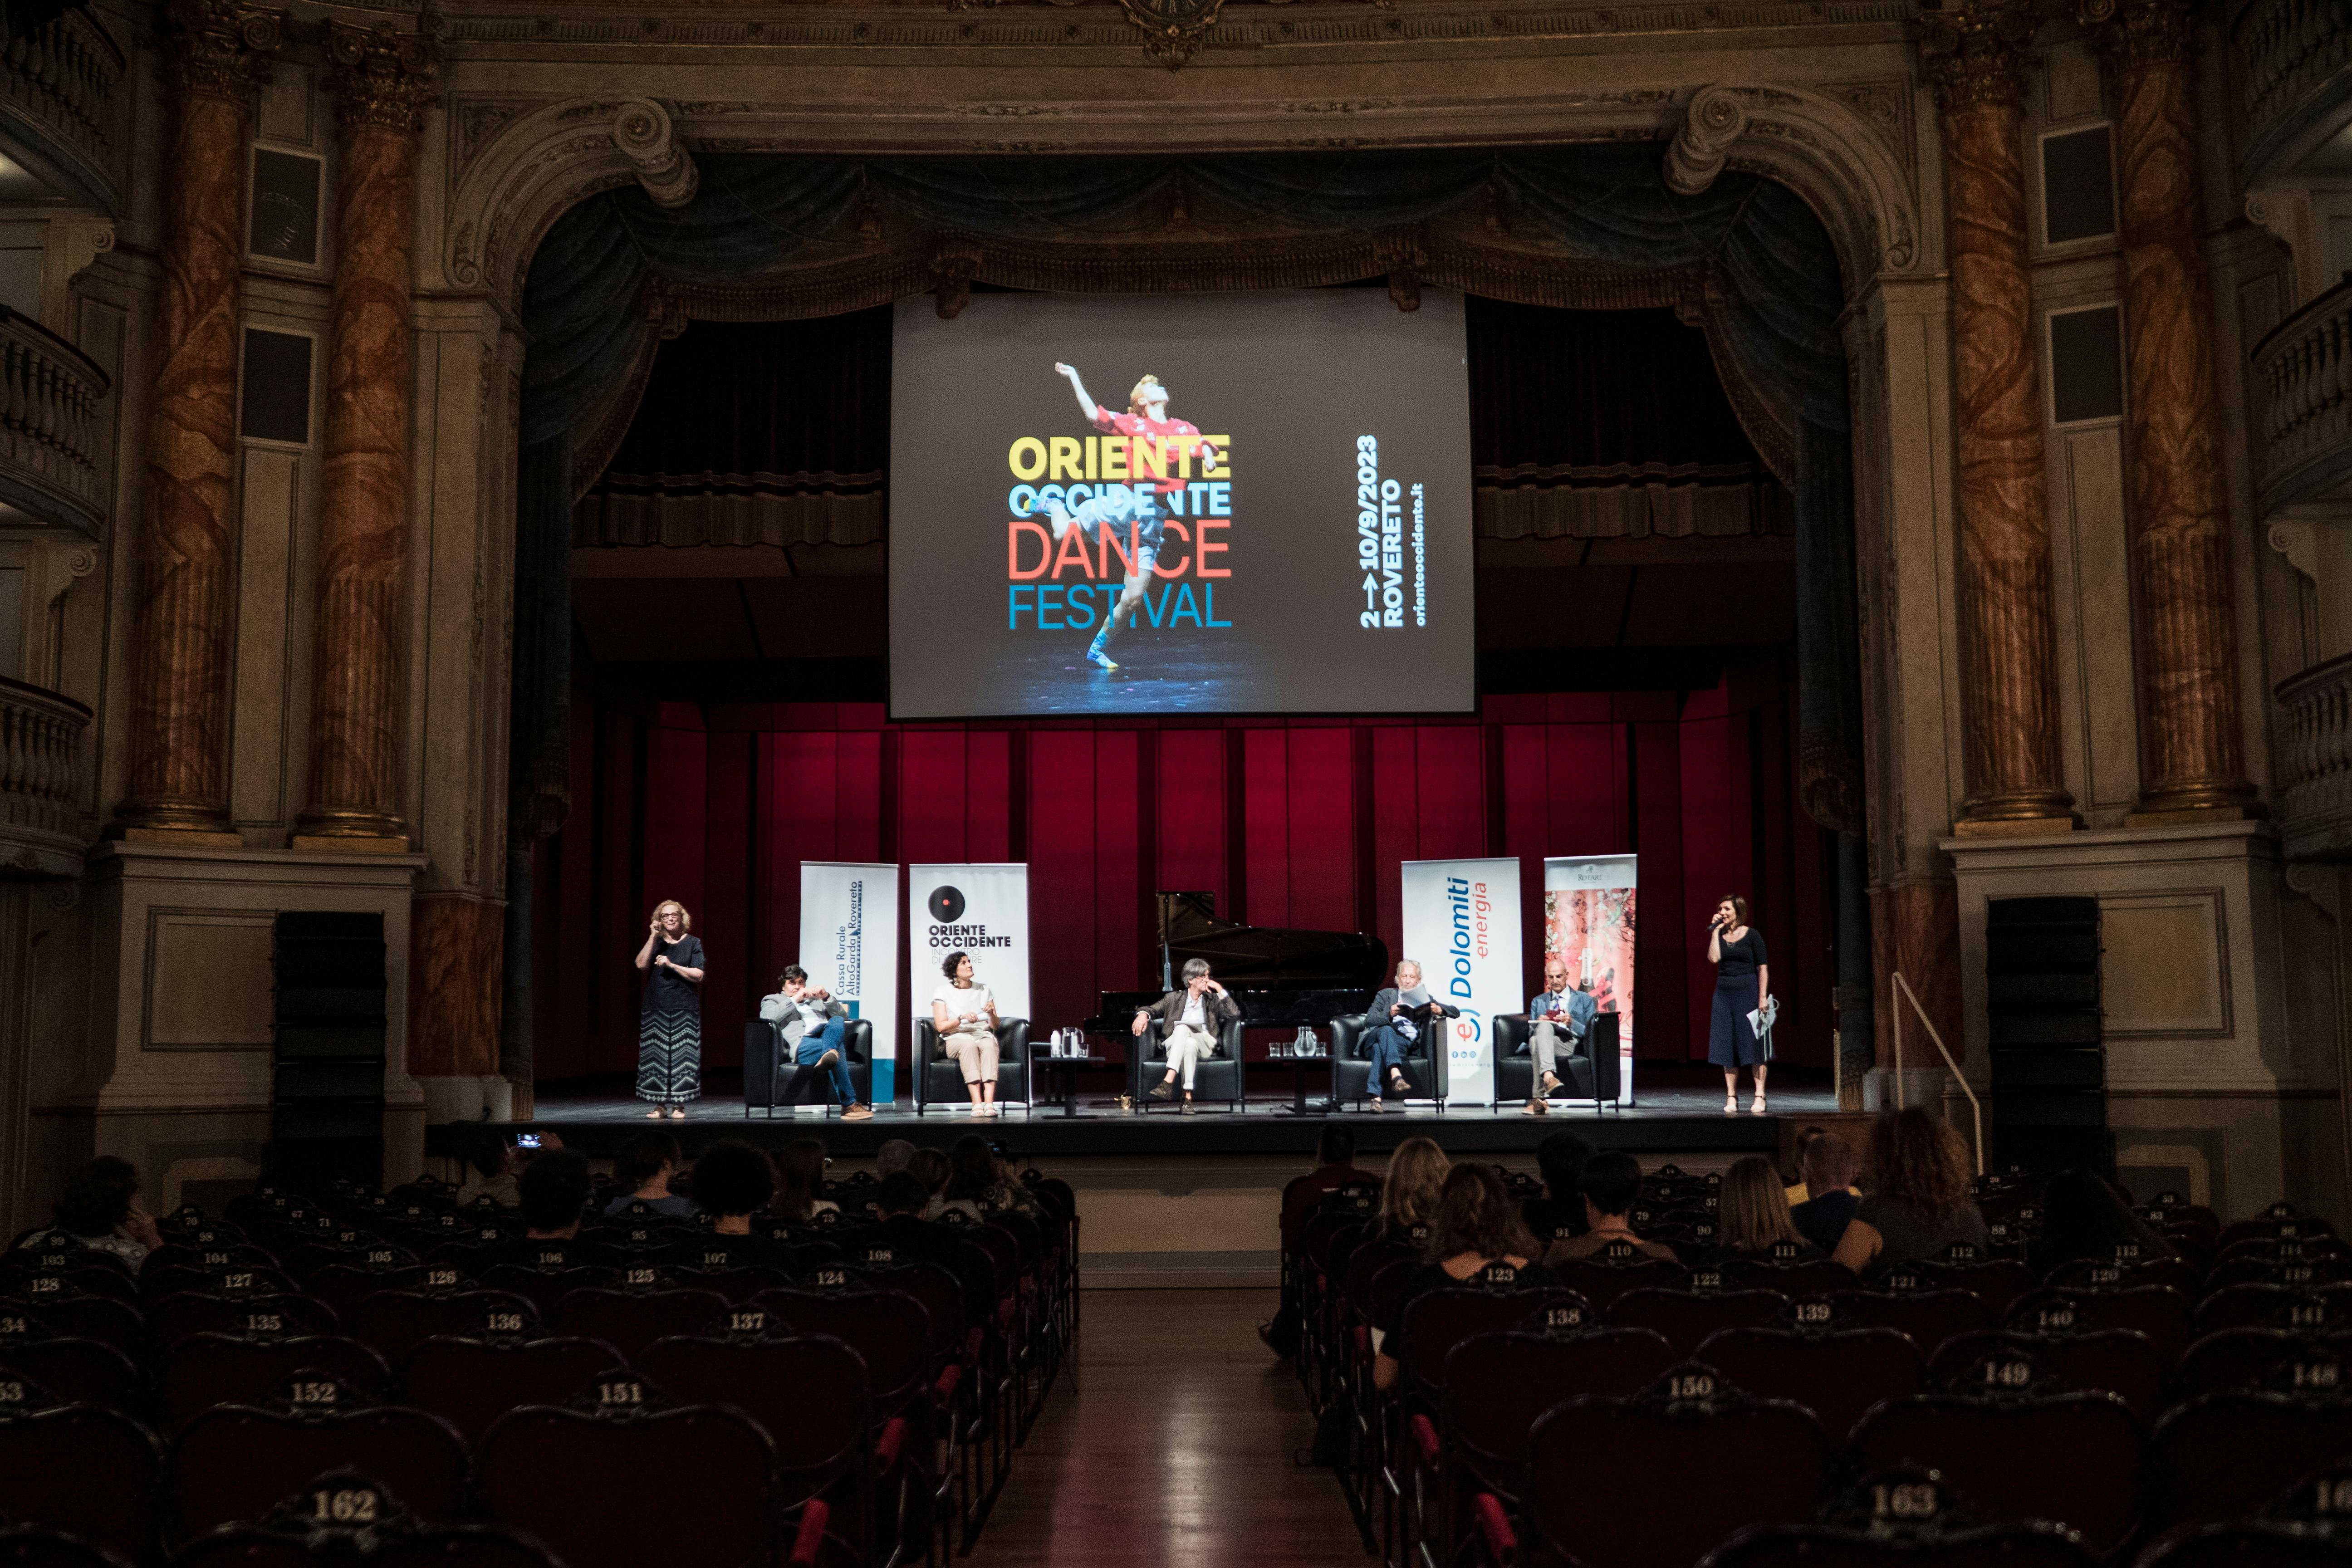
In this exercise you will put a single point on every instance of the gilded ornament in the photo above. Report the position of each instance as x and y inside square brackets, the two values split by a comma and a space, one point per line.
[381, 76]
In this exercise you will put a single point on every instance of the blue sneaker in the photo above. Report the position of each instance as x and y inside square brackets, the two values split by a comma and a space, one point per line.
[1101, 660]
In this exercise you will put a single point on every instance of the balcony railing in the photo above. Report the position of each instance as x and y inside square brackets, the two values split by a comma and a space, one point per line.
[40, 781]
[2315, 797]
[63, 96]
[2305, 371]
[2296, 53]
[50, 397]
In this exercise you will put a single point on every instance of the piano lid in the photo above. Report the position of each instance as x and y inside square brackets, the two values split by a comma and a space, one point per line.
[1267, 958]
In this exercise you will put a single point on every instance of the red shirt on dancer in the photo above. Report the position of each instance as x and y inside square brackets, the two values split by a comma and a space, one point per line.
[1147, 419]
[1165, 431]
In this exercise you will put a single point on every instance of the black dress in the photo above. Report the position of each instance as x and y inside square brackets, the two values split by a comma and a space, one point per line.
[1731, 1040]
[669, 1028]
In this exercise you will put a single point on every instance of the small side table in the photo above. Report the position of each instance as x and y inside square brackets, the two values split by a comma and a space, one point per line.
[1321, 1062]
[1069, 1067]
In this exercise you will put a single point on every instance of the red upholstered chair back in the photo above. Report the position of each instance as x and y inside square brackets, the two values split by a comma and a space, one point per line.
[2071, 1458]
[587, 1485]
[471, 1383]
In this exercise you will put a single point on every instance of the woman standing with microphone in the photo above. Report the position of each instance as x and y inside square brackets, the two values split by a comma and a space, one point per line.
[1742, 981]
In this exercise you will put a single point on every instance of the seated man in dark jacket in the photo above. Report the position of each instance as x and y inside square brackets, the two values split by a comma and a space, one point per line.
[1399, 1016]
[1828, 1167]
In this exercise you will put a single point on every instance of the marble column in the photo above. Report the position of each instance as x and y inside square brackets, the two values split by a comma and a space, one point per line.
[1977, 62]
[380, 81]
[2193, 762]
[177, 784]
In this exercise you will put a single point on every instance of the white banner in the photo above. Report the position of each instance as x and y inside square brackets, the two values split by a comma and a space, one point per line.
[1462, 926]
[849, 939]
[1588, 920]
[983, 910]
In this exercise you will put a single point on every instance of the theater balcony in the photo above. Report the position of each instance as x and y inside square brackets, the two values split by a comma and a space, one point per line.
[2304, 368]
[62, 95]
[2298, 56]
[40, 781]
[49, 396]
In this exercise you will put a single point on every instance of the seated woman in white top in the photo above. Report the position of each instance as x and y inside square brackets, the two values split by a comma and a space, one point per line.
[964, 1013]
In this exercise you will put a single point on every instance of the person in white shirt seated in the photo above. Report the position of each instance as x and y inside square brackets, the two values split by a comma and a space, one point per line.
[964, 1013]
[816, 1031]
[1194, 1016]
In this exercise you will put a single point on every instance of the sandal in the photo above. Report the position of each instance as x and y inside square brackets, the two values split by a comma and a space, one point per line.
[1732, 1105]
[1757, 1109]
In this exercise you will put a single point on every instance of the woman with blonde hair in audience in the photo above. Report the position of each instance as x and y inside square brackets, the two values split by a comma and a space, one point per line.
[1752, 1212]
[1919, 1203]
[1476, 1237]
[1416, 1176]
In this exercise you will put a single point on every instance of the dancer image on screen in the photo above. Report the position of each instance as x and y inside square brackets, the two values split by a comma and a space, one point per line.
[670, 1025]
[1742, 981]
[1147, 416]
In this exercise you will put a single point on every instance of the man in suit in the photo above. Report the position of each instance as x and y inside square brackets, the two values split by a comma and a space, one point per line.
[1194, 1016]
[1400, 1014]
[1556, 1012]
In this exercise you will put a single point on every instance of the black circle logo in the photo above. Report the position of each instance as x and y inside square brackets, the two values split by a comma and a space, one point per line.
[947, 905]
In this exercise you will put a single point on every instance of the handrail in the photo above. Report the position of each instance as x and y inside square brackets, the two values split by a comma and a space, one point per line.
[1976, 1108]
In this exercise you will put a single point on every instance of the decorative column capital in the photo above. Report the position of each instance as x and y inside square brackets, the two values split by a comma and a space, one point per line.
[223, 46]
[2135, 33]
[380, 77]
[1979, 55]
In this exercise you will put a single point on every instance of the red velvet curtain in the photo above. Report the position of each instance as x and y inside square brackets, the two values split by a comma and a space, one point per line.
[1297, 823]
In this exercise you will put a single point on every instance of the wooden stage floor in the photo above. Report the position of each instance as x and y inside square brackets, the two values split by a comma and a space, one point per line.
[596, 1117]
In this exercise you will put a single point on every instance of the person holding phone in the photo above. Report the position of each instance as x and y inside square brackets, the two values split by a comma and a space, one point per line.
[964, 1013]
[1194, 1014]
[670, 1025]
[1742, 981]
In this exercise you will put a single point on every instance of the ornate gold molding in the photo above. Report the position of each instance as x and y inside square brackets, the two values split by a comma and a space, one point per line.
[2135, 33]
[1977, 55]
[223, 47]
[380, 77]
[1172, 29]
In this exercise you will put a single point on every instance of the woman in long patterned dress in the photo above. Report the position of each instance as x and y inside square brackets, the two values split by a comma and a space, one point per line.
[669, 1027]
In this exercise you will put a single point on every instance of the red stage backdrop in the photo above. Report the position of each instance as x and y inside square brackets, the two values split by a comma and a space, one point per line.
[1290, 822]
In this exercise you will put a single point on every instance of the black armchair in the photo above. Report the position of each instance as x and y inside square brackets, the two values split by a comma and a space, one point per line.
[1221, 1077]
[939, 1081]
[1587, 1071]
[770, 1077]
[1351, 1065]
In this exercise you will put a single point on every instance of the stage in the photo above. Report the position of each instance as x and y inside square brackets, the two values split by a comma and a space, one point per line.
[1666, 1120]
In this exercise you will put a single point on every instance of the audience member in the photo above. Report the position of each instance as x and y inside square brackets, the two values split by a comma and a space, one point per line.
[100, 1210]
[895, 1154]
[800, 1183]
[1335, 1167]
[646, 1164]
[1476, 1237]
[1610, 1184]
[901, 1236]
[978, 1183]
[1919, 1203]
[553, 1190]
[1797, 1192]
[732, 1182]
[492, 1163]
[1752, 1212]
[1828, 1168]
[2084, 1218]
[1560, 1213]
[1416, 1178]
[932, 1168]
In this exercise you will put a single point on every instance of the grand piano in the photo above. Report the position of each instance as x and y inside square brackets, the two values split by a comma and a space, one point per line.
[1281, 976]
